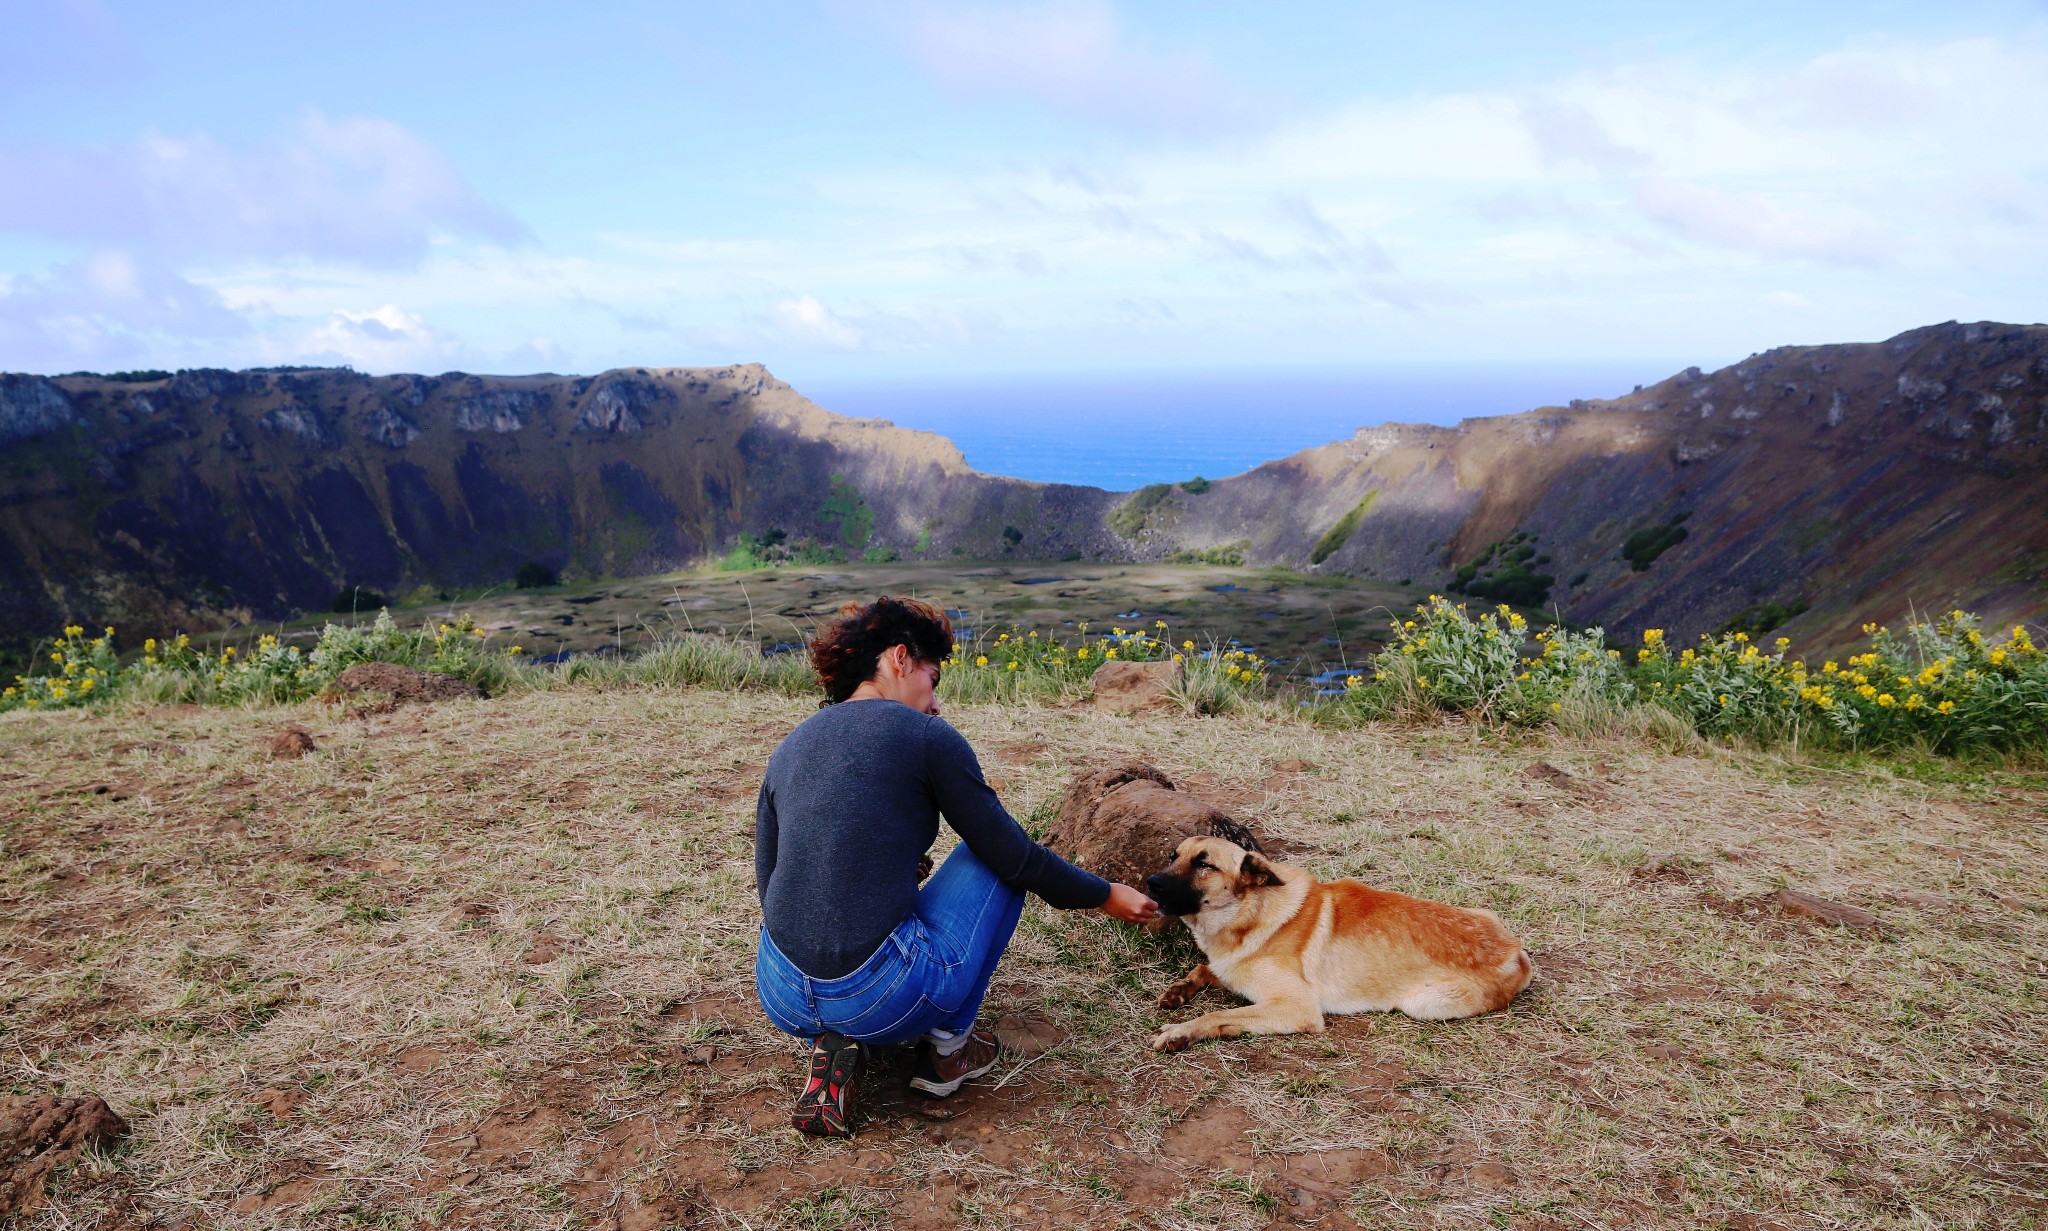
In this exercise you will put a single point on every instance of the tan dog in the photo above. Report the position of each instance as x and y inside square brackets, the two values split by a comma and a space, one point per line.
[1298, 948]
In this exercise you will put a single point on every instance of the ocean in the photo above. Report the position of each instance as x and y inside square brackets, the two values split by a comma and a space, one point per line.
[1124, 430]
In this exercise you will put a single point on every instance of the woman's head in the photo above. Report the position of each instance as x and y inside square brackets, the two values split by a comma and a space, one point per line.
[862, 644]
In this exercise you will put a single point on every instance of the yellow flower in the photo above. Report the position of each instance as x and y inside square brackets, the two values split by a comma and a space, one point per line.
[981, 660]
[1997, 658]
[1109, 653]
[1914, 701]
[1946, 707]
[1178, 658]
[1354, 681]
[514, 649]
[1187, 645]
[1082, 652]
[1886, 700]
[1015, 665]
[1159, 624]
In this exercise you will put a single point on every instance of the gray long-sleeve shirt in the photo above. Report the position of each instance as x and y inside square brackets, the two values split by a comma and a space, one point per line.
[850, 802]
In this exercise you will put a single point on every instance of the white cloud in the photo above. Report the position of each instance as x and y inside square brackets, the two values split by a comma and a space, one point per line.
[808, 322]
[384, 339]
[1756, 224]
[1070, 55]
[356, 188]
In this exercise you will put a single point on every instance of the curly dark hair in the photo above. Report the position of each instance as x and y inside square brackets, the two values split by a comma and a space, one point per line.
[844, 655]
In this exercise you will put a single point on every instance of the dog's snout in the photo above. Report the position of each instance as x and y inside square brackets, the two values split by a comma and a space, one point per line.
[1174, 895]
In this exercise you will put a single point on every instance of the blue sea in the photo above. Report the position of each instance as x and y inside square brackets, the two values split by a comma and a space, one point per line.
[1124, 430]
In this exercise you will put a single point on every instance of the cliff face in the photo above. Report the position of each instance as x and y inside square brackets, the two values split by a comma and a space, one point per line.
[1869, 481]
[216, 495]
[1864, 481]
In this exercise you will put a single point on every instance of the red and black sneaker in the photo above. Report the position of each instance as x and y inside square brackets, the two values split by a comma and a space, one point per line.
[825, 1108]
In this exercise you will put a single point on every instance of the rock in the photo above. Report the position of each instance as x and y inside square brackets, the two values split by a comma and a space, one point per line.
[1124, 823]
[40, 1133]
[291, 743]
[1806, 906]
[1133, 688]
[496, 410]
[401, 684]
[31, 406]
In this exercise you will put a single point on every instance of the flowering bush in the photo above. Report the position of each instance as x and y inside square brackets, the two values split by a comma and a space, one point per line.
[83, 672]
[1944, 686]
[1016, 665]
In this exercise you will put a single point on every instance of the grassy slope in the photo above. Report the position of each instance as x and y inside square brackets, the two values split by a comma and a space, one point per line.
[458, 966]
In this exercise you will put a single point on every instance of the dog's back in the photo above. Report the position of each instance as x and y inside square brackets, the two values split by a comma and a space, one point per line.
[1380, 950]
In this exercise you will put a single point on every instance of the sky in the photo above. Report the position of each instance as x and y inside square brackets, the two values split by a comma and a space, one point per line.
[854, 191]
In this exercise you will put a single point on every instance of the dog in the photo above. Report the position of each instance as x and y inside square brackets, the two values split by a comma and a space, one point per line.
[1299, 948]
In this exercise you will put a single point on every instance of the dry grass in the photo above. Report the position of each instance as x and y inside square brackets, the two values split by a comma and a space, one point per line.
[462, 966]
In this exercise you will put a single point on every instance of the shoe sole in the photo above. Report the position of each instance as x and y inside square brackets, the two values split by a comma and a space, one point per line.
[943, 1089]
[823, 1119]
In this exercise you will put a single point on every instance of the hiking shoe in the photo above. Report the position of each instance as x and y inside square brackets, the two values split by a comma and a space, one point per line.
[825, 1108]
[940, 1076]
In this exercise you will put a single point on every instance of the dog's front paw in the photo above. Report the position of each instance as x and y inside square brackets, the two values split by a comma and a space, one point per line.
[1173, 997]
[1172, 1038]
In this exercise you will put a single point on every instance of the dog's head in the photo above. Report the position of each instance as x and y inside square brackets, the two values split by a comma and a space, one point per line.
[1208, 872]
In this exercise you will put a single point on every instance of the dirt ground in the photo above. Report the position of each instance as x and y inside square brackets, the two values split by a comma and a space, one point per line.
[486, 964]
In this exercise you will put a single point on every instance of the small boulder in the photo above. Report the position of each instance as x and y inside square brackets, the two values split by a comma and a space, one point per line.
[401, 684]
[291, 743]
[40, 1133]
[1125, 823]
[1136, 688]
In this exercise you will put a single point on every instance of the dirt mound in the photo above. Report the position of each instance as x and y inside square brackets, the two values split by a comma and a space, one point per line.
[292, 742]
[1124, 823]
[1136, 688]
[42, 1132]
[401, 684]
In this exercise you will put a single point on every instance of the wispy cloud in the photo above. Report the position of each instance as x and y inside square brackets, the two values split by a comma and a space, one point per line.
[1073, 56]
[356, 188]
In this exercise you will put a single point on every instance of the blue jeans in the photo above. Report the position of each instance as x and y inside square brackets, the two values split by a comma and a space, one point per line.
[929, 974]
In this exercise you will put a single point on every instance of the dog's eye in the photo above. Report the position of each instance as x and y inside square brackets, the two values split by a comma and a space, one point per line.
[1198, 862]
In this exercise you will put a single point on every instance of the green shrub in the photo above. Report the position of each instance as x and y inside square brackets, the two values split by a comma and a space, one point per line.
[1336, 536]
[1130, 518]
[847, 511]
[1642, 547]
[1230, 554]
[533, 575]
[1195, 486]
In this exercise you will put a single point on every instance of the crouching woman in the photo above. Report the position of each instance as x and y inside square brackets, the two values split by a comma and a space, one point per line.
[853, 953]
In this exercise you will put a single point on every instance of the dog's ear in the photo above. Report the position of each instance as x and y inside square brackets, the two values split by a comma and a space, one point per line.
[1255, 872]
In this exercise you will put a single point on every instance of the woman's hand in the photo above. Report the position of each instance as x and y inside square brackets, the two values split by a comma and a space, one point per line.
[1129, 905]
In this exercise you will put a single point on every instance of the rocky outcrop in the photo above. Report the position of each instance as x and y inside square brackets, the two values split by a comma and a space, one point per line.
[31, 406]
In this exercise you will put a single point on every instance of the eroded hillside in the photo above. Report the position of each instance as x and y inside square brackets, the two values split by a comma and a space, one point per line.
[1804, 490]
[215, 495]
[1843, 483]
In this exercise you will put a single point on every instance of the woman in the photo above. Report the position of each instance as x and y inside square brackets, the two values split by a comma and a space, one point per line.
[852, 952]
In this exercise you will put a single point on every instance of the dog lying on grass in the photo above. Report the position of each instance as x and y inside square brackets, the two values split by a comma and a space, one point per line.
[1298, 948]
